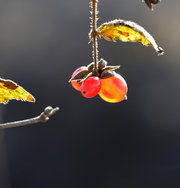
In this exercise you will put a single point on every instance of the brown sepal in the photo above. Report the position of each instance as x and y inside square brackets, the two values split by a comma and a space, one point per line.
[150, 2]
[111, 67]
[107, 74]
[102, 64]
[85, 77]
[90, 67]
[80, 75]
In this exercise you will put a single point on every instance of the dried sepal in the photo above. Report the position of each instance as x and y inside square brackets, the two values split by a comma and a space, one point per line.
[80, 75]
[150, 2]
[85, 77]
[107, 74]
[128, 31]
[90, 67]
[103, 71]
[111, 67]
[102, 64]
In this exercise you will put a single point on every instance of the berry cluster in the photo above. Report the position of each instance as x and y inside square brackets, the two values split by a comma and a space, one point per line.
[110, 86]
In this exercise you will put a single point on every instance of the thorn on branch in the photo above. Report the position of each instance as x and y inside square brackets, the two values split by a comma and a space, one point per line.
[93, 34]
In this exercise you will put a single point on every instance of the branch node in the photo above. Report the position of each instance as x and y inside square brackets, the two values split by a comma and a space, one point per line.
[48, 111]
[43, 117]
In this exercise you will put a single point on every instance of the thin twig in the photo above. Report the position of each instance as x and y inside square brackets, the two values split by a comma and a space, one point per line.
[93, 33]
[43, 117]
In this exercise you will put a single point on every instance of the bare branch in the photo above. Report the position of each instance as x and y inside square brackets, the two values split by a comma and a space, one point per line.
[43, 117]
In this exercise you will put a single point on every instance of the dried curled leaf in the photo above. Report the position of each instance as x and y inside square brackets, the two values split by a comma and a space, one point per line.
[127, 31]
[10, 90]
[150, 2]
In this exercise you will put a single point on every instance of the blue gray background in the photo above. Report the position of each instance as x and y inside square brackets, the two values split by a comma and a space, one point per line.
[90, 143]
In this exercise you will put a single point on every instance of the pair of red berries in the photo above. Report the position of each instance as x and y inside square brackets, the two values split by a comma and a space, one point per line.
[110, 86]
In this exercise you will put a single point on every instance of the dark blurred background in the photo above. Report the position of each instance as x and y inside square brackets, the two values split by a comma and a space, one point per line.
[90, 143]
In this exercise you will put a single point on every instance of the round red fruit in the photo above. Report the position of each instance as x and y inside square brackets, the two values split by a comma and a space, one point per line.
[113, 89]
[91, 87]
[74, 83]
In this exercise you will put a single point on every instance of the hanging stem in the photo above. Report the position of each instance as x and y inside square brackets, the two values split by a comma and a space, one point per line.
[93, 33]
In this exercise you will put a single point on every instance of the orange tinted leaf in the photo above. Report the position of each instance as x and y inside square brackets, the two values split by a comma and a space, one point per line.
[10, 90]
[127, 31]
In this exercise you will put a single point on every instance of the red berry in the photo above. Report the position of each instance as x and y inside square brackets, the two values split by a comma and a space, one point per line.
[113, 89]
[74, 83]
[91, 87]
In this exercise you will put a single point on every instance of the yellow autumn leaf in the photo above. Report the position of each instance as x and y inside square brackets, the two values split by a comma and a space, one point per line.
[10, 90]
[127, 31]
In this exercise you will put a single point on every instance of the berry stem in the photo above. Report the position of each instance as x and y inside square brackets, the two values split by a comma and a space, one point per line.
[93, 33]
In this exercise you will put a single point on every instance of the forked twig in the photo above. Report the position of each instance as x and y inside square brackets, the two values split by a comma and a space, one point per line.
[43, 117]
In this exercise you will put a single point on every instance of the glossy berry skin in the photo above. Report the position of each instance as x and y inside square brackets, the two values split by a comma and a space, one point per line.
[74, 83]
[113, 89]
[91, 86]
